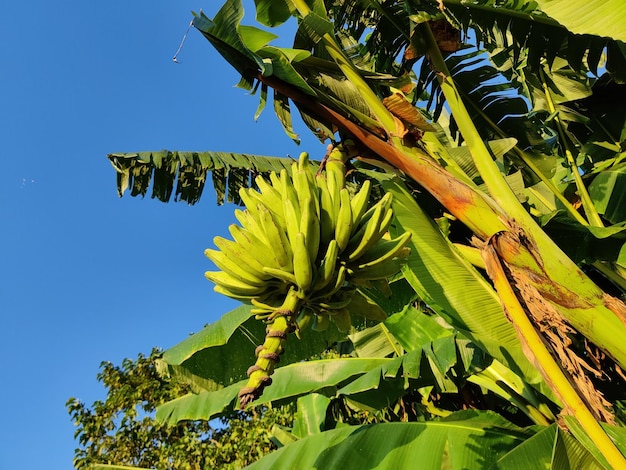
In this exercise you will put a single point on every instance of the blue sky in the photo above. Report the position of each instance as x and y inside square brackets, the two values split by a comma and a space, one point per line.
[87, 276]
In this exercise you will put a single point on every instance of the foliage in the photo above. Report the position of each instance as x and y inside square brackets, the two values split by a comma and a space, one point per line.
[122, 430]
[506, 160]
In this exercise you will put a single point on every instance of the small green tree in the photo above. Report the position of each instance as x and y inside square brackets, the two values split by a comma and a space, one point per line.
[121, 430]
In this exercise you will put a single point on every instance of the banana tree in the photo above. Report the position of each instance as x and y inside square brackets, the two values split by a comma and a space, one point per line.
[496, 155]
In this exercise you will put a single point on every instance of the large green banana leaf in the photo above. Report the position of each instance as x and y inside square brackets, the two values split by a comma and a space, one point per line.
[219, 354]
[605, 18]
[373, 382]
[465, 440]
[453, 288]
[288, 382]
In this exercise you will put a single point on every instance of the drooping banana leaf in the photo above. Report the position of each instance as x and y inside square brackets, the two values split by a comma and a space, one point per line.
[288, 382]
[542, 35]
[184, 174]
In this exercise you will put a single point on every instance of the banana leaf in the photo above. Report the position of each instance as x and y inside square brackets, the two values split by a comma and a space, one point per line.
[373, 383]
[219, 354]
[184, 174]
[311, 415]
[288, 382]
[605, 18]
[468, 440]
[453, 288]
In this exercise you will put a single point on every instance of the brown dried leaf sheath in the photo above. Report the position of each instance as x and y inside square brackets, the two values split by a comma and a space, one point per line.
[555, 331]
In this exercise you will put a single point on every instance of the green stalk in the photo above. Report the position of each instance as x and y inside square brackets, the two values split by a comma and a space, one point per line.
[590, 210]
[282, 323]
[383, 115]
[498, 188]
[552, 372]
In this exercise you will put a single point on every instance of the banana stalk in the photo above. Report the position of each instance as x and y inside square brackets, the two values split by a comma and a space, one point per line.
[552, 372]
[281, 323]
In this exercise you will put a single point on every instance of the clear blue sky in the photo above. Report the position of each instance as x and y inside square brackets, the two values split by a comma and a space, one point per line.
[87, 276]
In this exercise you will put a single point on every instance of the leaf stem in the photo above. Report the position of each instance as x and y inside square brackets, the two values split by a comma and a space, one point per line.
[353, 75]
[498, 188]
[527, 159]
[590, 211]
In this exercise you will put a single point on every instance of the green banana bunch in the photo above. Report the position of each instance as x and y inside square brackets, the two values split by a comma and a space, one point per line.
[303, 246]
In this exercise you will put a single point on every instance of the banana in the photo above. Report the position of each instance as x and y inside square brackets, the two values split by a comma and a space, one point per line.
[249, 198]
[268, 302]
[338, 281]
[336, 166]
[240, 256]
[366, 236]
[302, 267]
[333, 304]
[271, 197]
[305, 165]
[359, 202]
[252, 225]
[381, 270]
[234, 267]
[285, 276]
[334, 188]
[288, 192]
[252, 247]
[310, 227]
[261, 313]
[233, 285]
[301, 185]
[276, 183]
[303, 161]
[222, 290]
[383, 249]
[292, 222]
[327, 213]
[304, 320]
[278, 240]
[305, 178]
[343, 228]
[327, 267]
[385, 223]
[384, 203]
